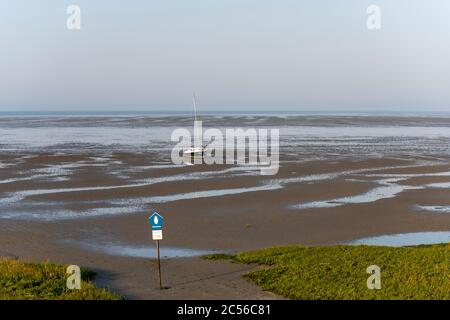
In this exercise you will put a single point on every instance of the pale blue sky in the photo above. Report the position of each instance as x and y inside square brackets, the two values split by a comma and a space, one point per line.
[235, 54]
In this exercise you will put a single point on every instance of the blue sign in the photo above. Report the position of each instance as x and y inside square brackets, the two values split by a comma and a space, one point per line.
[156, 221]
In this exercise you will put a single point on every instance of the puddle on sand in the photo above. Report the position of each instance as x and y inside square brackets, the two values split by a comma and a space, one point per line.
[405, 239]
[66, 214]
[434, 209]
[443, 185]
[210, 193]
[387, 191]
[148, 251]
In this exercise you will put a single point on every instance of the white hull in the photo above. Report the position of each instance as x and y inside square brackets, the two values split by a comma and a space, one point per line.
[198, 151]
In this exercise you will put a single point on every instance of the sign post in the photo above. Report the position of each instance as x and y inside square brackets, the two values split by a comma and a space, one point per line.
[159, 265]
[157, 221]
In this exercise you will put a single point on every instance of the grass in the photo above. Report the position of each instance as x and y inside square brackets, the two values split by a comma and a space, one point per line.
[45, 281]
[339, 272]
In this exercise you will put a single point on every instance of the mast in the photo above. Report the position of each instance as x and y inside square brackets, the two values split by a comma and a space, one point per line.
[196, 130]
[194, 100]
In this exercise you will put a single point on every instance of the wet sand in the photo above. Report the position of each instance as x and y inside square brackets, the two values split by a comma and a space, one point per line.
[79, 208]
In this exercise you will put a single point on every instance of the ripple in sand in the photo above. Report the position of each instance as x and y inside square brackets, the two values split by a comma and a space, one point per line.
[406, 239]
[21, 195]
[365, 171]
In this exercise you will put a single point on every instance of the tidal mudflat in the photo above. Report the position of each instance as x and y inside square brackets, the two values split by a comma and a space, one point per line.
[70, 181]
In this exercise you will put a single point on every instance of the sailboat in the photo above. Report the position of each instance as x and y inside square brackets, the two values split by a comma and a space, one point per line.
[195, 150]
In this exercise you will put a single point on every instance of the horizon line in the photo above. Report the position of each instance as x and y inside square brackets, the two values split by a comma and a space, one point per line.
[222, 111]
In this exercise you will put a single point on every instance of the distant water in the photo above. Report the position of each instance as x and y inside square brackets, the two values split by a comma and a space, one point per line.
[306, 135]
[188, 112]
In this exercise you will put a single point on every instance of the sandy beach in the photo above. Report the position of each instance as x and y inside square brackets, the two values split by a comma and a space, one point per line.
[87, 203]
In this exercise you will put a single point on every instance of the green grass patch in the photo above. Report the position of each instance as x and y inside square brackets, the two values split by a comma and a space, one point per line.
[339, 272]
[46, 281]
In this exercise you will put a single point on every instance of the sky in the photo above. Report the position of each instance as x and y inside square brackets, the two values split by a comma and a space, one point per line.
[243, 55]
